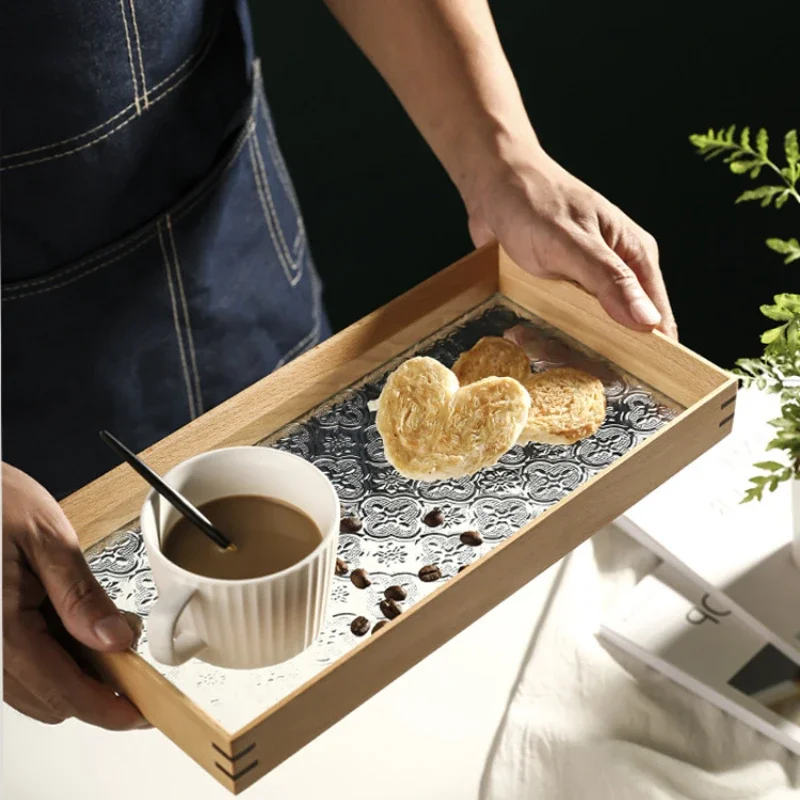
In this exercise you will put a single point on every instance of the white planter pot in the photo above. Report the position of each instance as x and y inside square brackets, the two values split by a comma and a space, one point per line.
[796, 521]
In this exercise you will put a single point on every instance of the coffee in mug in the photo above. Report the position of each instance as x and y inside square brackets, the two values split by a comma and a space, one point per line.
[270, 535]
[263, 603]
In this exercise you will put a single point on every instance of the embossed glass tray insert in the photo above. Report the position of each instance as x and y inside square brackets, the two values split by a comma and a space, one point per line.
[341, 439]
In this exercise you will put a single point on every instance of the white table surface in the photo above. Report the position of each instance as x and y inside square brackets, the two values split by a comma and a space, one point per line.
[426, 736]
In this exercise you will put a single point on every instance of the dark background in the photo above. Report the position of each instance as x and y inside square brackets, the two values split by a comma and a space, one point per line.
[613, 89]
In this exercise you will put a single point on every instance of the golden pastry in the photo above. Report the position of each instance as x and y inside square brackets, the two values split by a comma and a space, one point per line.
[492, 356]
[566, 405]
[433, 429]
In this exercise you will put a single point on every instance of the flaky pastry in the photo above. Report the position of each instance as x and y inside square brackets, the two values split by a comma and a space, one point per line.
[567, 404]
[432, 428]
[492, 356]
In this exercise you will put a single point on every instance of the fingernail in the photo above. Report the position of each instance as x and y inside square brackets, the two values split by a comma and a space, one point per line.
[113, 631]
[644, 312]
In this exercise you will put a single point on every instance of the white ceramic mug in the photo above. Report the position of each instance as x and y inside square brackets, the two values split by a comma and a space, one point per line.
[241, 623]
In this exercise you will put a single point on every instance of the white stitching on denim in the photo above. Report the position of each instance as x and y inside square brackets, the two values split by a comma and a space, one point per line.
[272, 139]
[186, 319]
[198, 54]
[137, 240]
[312, 336]
[301, 247]
[268, 194]
[74, 149]
[152, 102]
[145, 234]
[53, 145]
[99, 138]
[80, 275]
[280, 164]
[186, 377]
[292, 279]
[140, 238]
[139, 51]
[280, 167]
[283, 176]
[289, 261]
[130, 58]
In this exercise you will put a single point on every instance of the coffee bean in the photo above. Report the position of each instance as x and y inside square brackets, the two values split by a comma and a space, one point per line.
[435, 518]
[379, 624]
[390, 609]
[395, 593]
[342, 567]
[472, 538]
[359, 626]
[350, 524]
[429, 573]
[360, 578]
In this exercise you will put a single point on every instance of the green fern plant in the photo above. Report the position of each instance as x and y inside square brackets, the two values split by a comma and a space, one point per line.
[777, 370]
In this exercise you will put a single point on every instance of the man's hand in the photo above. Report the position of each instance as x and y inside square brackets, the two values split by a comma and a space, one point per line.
[444, 61]
[41, 561]
[555, 226]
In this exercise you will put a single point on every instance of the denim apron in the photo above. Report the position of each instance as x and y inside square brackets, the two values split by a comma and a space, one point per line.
[154, 257]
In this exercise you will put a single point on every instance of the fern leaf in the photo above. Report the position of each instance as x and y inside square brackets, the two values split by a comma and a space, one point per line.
[744, 138]
[769, 466]
[704, 140]
[762, 143]
[777, 313]
[793, 334]
[789, 301]
[789, 248]
[792, 148]
[763, 193]
[772, 335]
[740, 167]
[750, 495]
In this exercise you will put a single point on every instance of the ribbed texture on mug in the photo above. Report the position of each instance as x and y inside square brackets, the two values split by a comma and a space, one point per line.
[249, 625]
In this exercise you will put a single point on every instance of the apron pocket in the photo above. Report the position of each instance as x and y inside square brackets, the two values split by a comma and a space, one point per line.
[146, 334]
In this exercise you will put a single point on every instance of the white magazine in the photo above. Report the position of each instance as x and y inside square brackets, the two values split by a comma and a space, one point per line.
[739, 554]
[669, 624]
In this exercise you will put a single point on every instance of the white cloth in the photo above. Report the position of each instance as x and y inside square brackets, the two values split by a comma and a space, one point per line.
[581, 725]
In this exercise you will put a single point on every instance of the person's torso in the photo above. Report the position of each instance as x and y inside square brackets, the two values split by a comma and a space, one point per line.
[153, 254]
[112, 110]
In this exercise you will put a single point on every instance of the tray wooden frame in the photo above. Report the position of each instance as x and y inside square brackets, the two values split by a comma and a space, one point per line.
[238, 760]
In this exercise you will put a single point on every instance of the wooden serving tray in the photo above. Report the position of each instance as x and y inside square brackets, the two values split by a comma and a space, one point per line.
[666, 407]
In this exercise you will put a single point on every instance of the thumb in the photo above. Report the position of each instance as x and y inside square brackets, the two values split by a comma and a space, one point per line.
[617, 287]
[86, 611]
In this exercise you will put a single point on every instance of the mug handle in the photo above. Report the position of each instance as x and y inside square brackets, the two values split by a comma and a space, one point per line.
[165, 646]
